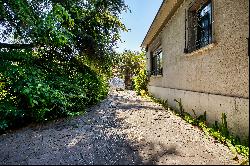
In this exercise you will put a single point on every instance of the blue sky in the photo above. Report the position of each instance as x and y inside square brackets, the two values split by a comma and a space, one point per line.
[139, 21]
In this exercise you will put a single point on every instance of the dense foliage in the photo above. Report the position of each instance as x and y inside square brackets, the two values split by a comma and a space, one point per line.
[128, 65]
[140, 83]
[43, 91]
[55, 57]
[62, 29]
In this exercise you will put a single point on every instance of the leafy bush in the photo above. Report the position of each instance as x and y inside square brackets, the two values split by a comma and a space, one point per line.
[128, 64]
[140, 83]
[49, 64]
[37, 92]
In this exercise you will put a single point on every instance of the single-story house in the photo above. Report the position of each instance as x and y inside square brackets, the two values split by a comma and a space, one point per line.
[197, 51]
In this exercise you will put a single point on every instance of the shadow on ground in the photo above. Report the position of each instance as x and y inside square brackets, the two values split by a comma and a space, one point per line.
[94, 138]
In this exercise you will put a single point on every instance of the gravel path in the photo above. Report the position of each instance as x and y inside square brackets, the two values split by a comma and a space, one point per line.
[123, 129]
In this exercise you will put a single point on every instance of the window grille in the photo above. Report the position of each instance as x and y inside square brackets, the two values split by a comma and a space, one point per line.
[199, 25]
[156, 62]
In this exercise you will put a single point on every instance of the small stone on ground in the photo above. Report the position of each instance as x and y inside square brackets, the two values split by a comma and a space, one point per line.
[124, 129]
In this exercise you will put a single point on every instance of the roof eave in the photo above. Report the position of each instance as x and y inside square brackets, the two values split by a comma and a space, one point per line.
[165, 12]
[164, 1]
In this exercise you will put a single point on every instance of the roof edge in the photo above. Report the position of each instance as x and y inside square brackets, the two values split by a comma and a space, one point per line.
[165, 12]
[153, 21]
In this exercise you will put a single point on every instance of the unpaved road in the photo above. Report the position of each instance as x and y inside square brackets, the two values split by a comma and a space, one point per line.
[123, 129]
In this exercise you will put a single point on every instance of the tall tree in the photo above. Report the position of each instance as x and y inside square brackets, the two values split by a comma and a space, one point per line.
[129, 64]
[63, 29]
[50, 53]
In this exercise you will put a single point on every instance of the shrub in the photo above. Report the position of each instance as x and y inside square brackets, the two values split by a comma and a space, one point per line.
[128, 64]
[37, 92]
[140, 83]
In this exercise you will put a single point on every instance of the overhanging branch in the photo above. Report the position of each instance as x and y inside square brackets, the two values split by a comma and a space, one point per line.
[16, 46]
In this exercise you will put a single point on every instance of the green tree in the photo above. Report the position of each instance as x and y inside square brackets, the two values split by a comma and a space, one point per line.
[129, 64]
[63, 29]
[57, 61]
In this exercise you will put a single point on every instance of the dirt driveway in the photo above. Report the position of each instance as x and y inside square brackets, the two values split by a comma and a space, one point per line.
[123, 129]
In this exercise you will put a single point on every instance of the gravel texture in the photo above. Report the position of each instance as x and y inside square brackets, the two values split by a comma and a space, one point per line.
[123, 129]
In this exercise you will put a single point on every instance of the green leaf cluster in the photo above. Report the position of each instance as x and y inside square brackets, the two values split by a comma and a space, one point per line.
[56, 58]
[128, 65]
[36, 91]
[89, 28]
[141, 82]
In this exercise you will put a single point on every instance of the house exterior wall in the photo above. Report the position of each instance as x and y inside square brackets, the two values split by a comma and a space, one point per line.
[218, 73]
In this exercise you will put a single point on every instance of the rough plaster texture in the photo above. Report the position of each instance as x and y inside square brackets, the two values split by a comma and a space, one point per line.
[214, 78]
[220, 68]
[235, 108]
[166, 10]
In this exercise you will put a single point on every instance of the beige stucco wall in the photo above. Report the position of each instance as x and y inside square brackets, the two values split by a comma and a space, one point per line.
[236, 109]
[220, 69]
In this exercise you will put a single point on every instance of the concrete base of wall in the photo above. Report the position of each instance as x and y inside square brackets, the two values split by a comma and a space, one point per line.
[236, 109]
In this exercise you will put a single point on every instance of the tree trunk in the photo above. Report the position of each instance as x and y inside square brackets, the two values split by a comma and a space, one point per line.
[127, 80]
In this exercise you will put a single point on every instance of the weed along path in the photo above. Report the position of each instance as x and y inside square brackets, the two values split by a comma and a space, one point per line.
[123, 129]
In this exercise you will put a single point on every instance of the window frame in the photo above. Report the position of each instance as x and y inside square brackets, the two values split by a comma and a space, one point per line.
[157, 62]
[191, 24]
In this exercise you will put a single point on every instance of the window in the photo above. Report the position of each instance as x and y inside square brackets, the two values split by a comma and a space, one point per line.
[156, 62]
[199, 25]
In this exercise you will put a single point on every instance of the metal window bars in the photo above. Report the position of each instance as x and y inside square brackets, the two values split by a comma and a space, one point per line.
[199, 27]
[157, 62]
